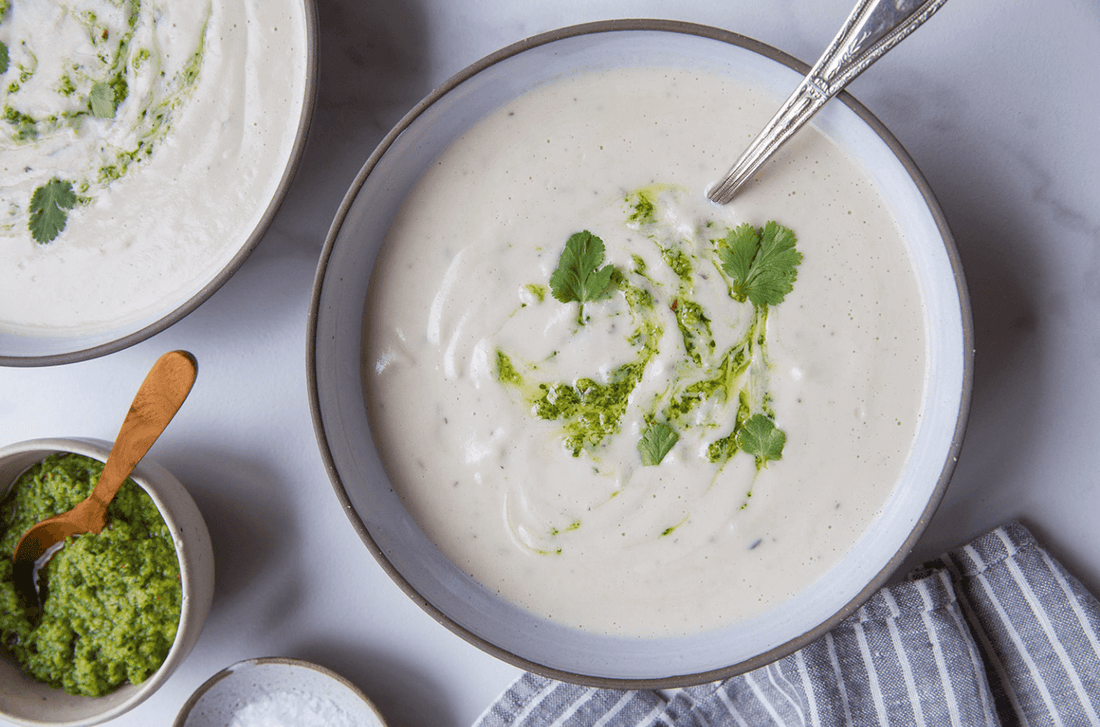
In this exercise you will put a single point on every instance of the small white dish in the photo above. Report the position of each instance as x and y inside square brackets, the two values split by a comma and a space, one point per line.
[261, 685]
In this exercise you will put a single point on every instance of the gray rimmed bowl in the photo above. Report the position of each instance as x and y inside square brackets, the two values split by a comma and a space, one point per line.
[27, 702]
[357, 470]
[48, 348]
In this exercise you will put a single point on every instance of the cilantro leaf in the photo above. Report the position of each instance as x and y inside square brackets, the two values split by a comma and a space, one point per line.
[579, 276]
[48, 209]
[762, 439]
[763, 264]
[101, 100]
[737, 251]
[3, 58]
[656, 442]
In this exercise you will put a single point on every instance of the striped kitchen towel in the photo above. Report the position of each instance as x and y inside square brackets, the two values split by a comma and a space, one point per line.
[994, 634]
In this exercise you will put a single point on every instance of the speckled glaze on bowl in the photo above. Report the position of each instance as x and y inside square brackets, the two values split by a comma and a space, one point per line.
[356, 467]
[27, 702]
[223, 695]
[47, 349]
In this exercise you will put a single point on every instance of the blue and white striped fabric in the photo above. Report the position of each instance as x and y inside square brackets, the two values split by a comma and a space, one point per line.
[993, 634]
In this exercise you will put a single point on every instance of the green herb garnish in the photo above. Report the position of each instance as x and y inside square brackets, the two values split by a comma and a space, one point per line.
[48, 209]
[95, 85]
[579, 277]
[761, 263]
[716, 396]
[101, 101]
[657, 441]
[762, 439]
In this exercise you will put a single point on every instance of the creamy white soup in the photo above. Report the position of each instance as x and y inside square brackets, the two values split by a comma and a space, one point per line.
[702, 420]
[140, 143]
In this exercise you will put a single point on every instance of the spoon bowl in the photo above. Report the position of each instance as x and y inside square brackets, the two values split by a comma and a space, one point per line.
[158, 399]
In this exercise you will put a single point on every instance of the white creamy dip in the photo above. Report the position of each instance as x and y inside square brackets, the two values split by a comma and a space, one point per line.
[172, 124]
[592, 538]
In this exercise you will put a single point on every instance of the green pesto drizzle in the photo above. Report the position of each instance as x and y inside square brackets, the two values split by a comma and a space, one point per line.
[96, 88]
[758, 267]
[591, 411]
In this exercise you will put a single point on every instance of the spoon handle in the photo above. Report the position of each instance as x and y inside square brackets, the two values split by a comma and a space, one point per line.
[157, 400]
[872, 28]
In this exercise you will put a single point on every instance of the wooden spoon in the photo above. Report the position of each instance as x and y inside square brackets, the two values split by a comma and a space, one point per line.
[156, 402]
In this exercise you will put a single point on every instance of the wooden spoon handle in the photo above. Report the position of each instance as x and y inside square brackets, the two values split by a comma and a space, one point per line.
[156, 402]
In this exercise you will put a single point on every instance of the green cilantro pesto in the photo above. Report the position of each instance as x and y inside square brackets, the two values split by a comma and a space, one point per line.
[590, 411]
[112, 601]
[680, 262]
[643, 206]
[538, 291]
[506, 372]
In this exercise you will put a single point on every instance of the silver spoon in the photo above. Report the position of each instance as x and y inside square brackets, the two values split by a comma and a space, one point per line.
[874, 27]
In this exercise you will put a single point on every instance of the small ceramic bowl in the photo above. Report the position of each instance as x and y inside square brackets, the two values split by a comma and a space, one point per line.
[27, 702]
[289, 688]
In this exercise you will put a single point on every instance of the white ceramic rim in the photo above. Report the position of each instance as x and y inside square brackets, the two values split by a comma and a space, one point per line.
[196, 598]
[197, 695]
[68, 349]
[424, 575]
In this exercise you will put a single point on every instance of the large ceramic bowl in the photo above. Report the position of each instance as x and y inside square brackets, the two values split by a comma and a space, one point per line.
[27, 702]
[42, 346]
[356, 468]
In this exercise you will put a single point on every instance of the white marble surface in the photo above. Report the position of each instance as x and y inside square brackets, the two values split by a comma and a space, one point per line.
[996, 102]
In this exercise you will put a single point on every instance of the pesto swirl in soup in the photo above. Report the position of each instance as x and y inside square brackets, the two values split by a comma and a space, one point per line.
[140, 143]
[618, 405]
